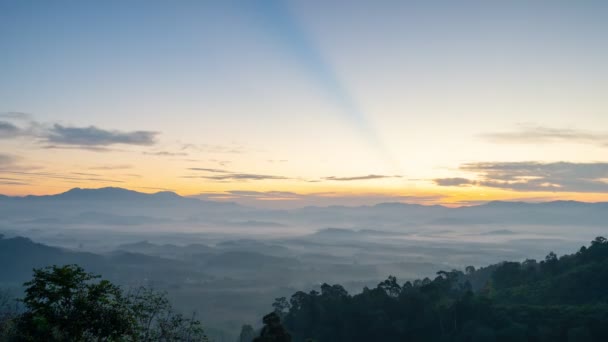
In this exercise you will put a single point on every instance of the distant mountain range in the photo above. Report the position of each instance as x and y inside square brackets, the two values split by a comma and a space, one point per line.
[110, 206]
[117, 207]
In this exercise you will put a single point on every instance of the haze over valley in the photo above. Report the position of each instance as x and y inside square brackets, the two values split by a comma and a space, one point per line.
[228, 262]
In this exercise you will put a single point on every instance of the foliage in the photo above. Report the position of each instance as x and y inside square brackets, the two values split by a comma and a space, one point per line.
[68, 304]
[155, 320]
[273, 330]
[557, 299]
[9, 309]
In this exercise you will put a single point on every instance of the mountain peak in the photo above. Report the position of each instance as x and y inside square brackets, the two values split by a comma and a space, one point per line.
[107, 192]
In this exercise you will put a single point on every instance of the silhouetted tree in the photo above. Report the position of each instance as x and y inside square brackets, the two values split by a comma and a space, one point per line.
[68, 304]
[273, 330]
[390, 286]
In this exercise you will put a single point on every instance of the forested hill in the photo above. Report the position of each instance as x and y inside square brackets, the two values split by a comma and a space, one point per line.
[556, 299]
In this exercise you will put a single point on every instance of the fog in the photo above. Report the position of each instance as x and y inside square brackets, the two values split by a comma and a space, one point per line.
[228, 262]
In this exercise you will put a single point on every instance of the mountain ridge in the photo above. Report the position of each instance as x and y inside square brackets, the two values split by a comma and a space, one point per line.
[114, 193]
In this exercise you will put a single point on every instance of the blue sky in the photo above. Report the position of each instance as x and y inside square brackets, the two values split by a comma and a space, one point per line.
[307, 92]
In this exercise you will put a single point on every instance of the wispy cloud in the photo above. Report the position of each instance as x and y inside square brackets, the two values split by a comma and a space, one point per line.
[238, 177]
[11, 182]
[70, 178]
[166, 154]
[221, 162]
[537, 134]
[211, 148]
[15, 116]
[112, 167]
[357, 178]
[154, 188]
[86, 174]
[79, 147]
[287, 200]
[222, 175]
[227, 175]
[9, 130]
[208, 170]
[535, 176]
[7, 159]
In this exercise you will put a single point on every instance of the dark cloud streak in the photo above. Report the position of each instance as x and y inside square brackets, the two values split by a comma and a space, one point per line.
[93, 136]
[356, 178]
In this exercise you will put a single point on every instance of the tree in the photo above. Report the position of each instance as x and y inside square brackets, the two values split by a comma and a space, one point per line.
[558, 299]
[273, 330]
[155, 320]
[281, 306]
[551, 257]
[390, 286]
[598, 241]
[68, 304]
[9, 309]
[469, 269]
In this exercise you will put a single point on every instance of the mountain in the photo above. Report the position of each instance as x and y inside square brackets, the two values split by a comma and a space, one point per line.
[109, 206]
[395, 215]
[19, 255]
[115, 207]
[116, 195]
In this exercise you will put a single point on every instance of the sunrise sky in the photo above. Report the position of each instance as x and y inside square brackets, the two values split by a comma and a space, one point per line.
[283, 104]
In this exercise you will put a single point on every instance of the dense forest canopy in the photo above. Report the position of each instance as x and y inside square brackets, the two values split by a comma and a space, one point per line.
[556, 299]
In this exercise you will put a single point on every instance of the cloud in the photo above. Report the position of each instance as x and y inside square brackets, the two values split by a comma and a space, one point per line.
[535, 134]
[238, 177]
[7, 159]
[58, 136]
[86, 174]
[112, 167]
[70, 178]
[154, 188]
[535, 176]
[93, 136]
[9, 130]
[10, 182]
[211, 148]
[208, 170]
[15, 115]
[78, 147]
[453, 181]
[290, 200]
[166, 154]
[222, 175]
[226, 175]
[356, 178]
[221, 162]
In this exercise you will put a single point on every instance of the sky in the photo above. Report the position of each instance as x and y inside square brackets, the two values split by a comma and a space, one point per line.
[291, 103]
